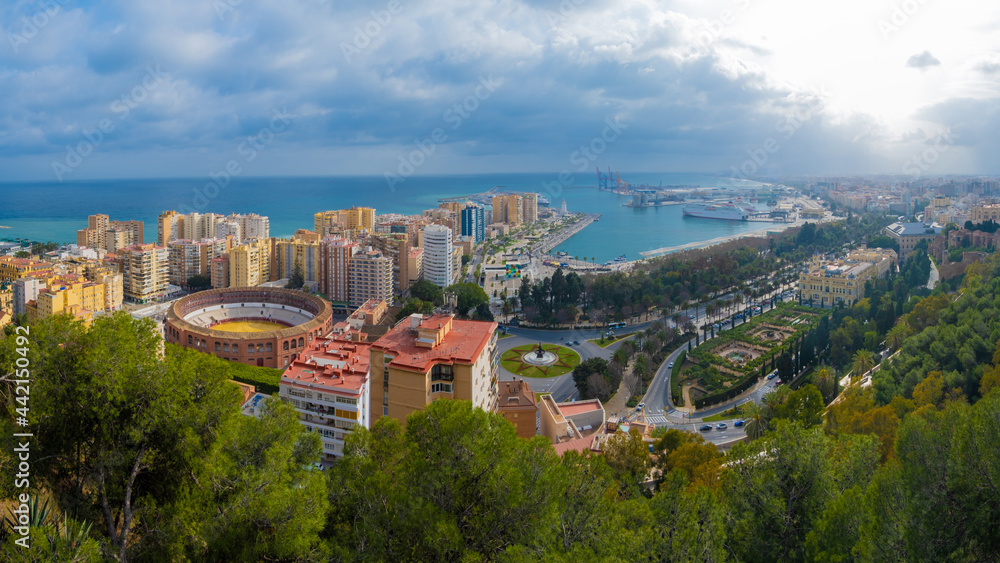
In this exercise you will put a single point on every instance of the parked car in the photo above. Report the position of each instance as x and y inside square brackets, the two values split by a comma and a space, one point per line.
[721, 426]
[773, 374]
[705, 428]
[739, 423]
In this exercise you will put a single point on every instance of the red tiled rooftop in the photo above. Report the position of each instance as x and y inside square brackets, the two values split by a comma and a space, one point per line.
[462, 344]
[346, 370]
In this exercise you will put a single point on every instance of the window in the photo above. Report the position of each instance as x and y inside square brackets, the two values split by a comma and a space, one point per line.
[260, 348]
[302, 342]
[441, 388]
[285, 346]
[347, 401]
[218, 347]
[293, 344]
[225, 347]
[268, 347]
[190, 340]
[236, 348]
[442, 373]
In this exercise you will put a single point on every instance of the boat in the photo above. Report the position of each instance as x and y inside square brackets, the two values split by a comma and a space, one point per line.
[621, 259]
[726, 211]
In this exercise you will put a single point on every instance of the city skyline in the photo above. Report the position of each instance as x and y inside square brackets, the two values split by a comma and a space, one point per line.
[295, 89]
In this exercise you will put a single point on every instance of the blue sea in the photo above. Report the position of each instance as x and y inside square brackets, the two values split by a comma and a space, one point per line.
[54, 211]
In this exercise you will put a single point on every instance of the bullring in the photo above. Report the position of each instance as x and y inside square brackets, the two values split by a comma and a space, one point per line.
[274, 325]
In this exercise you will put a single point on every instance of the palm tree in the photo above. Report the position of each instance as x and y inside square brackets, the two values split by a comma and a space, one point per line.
[620, 356]
[756, 424]
[896, 335]
[864, 360]
[826, 381]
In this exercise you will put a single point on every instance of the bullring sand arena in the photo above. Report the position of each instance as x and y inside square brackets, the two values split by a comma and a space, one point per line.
[248, 326]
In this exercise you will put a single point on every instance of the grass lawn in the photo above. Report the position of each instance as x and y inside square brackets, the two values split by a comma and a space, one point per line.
[609, 341]
[735, 412]
[504, 335]
[512, 362]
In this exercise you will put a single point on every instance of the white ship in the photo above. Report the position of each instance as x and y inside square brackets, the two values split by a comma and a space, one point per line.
[725, 211]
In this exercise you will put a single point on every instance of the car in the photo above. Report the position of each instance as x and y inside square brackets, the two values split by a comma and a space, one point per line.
[772, 375]
[739, 423]
[705, 428]
[640, 406]
[569, 343]
[670, 365]
[577, 342]
[721, 426]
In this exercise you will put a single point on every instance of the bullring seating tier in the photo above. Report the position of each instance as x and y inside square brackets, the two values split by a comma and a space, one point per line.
[217, 314]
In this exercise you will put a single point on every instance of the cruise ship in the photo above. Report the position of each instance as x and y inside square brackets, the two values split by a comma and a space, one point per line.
[725, 211]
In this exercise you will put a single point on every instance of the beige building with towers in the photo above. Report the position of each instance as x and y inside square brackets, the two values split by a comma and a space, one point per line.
[355, 219]
[146, 270]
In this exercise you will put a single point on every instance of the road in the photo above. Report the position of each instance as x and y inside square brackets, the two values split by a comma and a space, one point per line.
[658, 408]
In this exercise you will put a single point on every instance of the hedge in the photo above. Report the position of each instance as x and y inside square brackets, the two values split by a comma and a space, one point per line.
[265, 379]
[675, 388]
[728, 393]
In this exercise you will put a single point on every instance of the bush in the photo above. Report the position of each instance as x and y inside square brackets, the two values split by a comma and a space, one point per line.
[675, 387]
[719, 396]
[265, 379]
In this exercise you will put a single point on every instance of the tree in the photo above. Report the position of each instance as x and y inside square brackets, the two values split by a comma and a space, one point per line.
[199, 282]
[756, 423]
[628, 457]
[826, 381]
[864, 361]
[414, 305]
[22, 254]
[775, 488]
[470, 296]
[298, 279]
[786, 367]
[455, 469]
[424, 290]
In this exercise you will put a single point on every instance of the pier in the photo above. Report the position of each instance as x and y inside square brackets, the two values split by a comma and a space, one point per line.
[555, 239]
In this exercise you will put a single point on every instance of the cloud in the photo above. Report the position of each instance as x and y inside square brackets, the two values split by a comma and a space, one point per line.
[923, 60]
[366, 81]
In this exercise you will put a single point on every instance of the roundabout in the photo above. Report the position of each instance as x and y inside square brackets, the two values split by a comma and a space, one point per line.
[539, 360]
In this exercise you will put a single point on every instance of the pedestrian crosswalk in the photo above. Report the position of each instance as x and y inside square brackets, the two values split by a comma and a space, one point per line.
[656, 420]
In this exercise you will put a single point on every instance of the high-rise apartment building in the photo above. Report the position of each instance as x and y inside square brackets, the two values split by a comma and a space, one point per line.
[396, 247]
[329, 386]
[530, 207]
[335, 262]
[423, 359]
[219, 271]
[302, 249]
[93, 235]
[370, 278]
[102, 233]
[192, 258]
[146, 269]
[508, 209]
[474, 222]
[25, 290]
[250, 264]
[438, 266]
[415, 266]
[196, 226]
[334, 222]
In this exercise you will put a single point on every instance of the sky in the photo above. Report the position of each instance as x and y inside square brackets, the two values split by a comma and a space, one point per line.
[748, 88]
